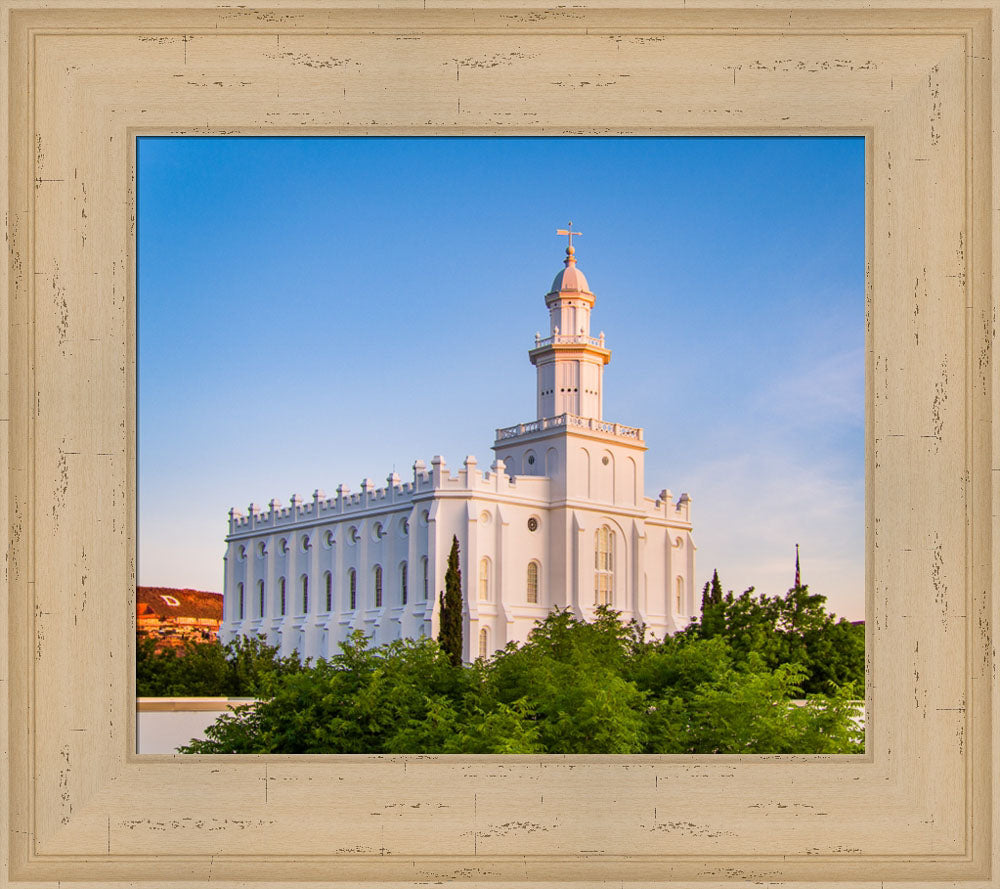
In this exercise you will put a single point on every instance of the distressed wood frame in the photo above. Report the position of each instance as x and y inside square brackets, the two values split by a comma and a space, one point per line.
[919, 808]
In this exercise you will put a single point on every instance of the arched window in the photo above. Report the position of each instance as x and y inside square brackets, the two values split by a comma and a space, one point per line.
[680, 593]
[378, 586]
[531, 593]
[260, 596]
[305, 594]
[239, 588]
[426, 585]
[352, 583]
[484, 579]
[328, 582]
[402, 583]
[604, 565]
[484, 642]
[281, 594]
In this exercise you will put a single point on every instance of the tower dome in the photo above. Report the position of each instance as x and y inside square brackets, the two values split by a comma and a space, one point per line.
[570, 279]
[570, 361]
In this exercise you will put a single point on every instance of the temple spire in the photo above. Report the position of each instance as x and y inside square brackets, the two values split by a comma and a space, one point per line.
[570, 258]
[570, 361]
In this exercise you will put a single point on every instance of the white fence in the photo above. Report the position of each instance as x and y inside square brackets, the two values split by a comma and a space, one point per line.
[164, 724]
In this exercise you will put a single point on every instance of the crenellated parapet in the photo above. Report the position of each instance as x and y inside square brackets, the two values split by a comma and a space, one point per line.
[425, 484]
[665, 507]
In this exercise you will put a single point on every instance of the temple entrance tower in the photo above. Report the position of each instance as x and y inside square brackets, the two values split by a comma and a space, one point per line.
[588, 459]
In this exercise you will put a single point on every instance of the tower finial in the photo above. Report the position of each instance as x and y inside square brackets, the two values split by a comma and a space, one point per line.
[569, 247]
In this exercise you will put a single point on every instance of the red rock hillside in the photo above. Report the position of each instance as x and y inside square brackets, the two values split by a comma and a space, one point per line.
[172, 616]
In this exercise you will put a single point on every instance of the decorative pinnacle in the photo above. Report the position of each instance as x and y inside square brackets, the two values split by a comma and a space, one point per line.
[569, 248]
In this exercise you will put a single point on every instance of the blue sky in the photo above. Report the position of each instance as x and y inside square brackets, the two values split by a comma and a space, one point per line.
[317, 310]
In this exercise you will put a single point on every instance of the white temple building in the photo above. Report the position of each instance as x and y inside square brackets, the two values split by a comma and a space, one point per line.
[559, 520]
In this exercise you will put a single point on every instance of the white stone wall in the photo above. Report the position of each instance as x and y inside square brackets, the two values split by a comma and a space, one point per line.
[506, 522]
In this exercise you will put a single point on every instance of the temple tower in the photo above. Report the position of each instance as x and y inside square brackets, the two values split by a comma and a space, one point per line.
[570, 362]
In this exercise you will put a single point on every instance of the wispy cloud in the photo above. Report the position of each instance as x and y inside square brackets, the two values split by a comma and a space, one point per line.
[750, 511]
[829, 391]
[777, 472]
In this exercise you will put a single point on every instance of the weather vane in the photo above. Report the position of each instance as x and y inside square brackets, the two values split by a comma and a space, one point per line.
[569, 233]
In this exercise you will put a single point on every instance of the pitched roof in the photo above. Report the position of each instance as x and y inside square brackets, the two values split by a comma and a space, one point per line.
[167, 602]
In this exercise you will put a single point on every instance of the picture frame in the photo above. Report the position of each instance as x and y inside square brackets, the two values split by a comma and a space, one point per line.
[917, 808]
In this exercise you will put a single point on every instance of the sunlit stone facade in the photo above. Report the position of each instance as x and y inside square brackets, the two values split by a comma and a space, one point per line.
[559, 520]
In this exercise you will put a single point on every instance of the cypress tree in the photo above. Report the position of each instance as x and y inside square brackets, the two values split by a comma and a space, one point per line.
[450, 635]
[711, 599]
[716, 597]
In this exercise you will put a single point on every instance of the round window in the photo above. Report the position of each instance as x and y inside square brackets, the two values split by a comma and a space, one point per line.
[604, 460]
[531, 459]
[532, 524]
[305, 543]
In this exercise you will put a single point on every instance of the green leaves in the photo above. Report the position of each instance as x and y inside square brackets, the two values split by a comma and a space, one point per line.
[573, 687]
[241, 668]
[795, 628]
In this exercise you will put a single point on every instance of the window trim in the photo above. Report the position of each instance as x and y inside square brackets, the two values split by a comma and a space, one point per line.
[484, 579]
[604, 566]
[532, 583]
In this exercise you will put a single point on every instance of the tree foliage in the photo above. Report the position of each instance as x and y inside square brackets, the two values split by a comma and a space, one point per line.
[572, 687]
[238, 669]
[794, 629]
[450, 634]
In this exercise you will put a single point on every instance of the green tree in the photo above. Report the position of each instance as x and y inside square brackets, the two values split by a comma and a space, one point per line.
[571, 675]
[702, 699]
[208, 669]
[450, 634]
[401, 697]
[793, 629]
[711, 602]
[573, 687]
[252, 663]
